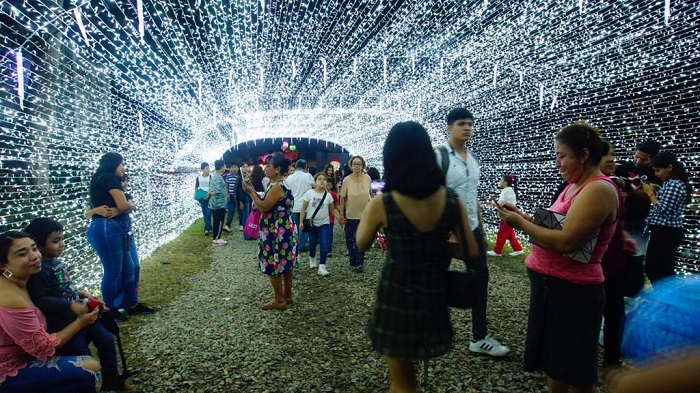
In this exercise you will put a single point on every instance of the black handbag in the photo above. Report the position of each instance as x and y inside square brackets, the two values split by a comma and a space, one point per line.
[462, 284]
[309, 222]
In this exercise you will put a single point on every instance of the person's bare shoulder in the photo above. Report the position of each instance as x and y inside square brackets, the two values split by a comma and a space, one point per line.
[13, 299]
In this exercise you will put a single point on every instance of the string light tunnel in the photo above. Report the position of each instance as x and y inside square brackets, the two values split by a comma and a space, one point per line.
[169, 84]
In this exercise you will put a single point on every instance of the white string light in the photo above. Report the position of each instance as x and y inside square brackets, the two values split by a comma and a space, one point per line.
[626, 66]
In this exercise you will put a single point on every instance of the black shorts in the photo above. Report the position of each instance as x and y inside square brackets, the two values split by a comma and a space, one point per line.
[562, 329]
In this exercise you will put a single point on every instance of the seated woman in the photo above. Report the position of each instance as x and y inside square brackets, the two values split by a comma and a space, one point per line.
[27, 361]
[411, 320]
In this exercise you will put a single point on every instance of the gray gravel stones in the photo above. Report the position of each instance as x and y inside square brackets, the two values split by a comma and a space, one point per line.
[215, 338]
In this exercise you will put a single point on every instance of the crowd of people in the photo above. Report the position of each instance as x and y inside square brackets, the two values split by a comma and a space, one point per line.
[606, 226]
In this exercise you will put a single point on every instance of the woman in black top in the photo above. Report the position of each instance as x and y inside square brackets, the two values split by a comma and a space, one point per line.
[111, 238]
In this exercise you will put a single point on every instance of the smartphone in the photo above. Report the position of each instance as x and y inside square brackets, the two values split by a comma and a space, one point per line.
[493, 198]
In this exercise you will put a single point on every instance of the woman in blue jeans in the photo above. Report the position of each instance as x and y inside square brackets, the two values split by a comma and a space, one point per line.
[112, 240]
[318, 206]
[202, 183]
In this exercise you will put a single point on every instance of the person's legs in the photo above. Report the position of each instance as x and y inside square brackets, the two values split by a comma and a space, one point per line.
[614, 314]
[479, 327]
[287, 278]
[512, 239]
[59, 374]
[206, 213]
[218, 221]
[560, 387]
[660, 257]
[324, 233]
[231, 207]
[278, 303]
[356, 256]
[330, 239]
[106, 239]
[501, 237]
[402, 376]
[303, 241]
[313, 242]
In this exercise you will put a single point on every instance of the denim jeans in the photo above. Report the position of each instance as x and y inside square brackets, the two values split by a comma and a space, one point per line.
[479, 327]
[119, 285]
[59, 374]
[245, 212]
[231, 207]
[103, 341]
[302, 236]
[320, 235]
[206, 213]
[330, 238]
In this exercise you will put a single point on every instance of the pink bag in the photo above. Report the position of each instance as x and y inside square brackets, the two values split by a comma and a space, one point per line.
[252, 225]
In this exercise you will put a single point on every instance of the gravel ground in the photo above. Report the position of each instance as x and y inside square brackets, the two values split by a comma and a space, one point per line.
[215, 338]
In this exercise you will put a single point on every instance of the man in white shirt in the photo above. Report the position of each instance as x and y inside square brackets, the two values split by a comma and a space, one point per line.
[462, 175]
[299, 183]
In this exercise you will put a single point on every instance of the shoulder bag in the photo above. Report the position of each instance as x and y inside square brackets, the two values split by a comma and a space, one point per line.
[309, 222]
[462, 284]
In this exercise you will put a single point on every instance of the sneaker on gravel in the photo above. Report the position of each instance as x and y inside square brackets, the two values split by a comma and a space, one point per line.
[140, 309]
[227, 228]
[312, 262]
[240, 227]
[489, 346]
[516, 253]
[219, 242]
[322, 270]
[493, 254]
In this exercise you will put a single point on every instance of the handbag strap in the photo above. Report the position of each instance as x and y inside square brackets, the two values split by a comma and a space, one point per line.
[323, 198]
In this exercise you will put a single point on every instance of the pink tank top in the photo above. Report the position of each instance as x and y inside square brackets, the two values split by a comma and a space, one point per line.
[552, 264]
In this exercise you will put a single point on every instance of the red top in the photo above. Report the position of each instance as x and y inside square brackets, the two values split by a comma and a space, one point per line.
[23, 338]
[335, 200]
[552, 264]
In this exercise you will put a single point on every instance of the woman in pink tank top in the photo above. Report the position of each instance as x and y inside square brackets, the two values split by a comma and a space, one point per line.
[566, 294]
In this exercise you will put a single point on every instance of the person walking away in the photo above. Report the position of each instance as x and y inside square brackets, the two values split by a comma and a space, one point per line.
[506, 233]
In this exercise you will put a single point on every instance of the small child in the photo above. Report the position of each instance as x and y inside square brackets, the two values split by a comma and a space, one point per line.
[53, 292]
[505, 232]
[321, 222]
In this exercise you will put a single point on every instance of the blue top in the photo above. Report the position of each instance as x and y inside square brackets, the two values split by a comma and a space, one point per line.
[463, 177]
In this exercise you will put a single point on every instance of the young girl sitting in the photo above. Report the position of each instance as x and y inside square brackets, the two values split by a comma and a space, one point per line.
[320, 202]
[53, 292]
[505, 232]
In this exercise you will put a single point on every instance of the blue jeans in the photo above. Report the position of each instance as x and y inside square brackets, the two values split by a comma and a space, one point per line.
[103, 341]
[59, 374]
[119, 285]
[206, 213]
[330, 239]
[479, 327]
[231, 207]
[302, 236]
[245, 212]
[320, 235]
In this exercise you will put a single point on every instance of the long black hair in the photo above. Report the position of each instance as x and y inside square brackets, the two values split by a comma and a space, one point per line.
[666, 158]
[108, 165]
[511, 181]
[6, 240]
[410, 166]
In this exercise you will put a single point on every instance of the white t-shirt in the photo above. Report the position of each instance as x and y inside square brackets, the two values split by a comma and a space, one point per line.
[507, 196]
[313, 199]
[204, 182]
[299, 183]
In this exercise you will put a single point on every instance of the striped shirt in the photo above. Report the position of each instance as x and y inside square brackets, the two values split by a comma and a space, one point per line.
[231, 179]
[668, 211]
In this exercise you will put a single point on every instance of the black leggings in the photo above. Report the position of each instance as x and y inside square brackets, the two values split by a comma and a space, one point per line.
[217, 218]
[661, 251]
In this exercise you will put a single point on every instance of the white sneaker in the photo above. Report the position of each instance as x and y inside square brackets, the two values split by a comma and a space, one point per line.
[240, 227]
[322, 270]
[219, 242]
[493, 254]
[516, 253]
[489, 346]
[312, 262]
[226, 228]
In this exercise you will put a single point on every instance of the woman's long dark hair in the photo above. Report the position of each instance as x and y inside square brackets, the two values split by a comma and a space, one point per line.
[333, 179]
[108, 165]
[666, 158]
[256, 177]
[6, 240]
[410, 166]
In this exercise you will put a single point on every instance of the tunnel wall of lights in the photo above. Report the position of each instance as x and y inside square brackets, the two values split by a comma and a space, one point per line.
[171, 84]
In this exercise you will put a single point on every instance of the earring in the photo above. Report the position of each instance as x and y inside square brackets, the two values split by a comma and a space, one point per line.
[7, 273]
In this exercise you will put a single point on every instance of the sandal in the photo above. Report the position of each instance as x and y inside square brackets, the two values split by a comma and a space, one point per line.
[274, 305]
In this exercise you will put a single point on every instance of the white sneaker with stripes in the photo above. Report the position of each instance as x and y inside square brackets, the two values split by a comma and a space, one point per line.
[489, 346]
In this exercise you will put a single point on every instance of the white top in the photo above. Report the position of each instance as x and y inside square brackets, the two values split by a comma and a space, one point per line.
[265, 182]
[463, 177]
[299, 183]
[507, 196]
[204, 182]
[313, 198]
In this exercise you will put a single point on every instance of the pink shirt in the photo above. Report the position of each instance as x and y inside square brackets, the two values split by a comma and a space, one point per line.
[552, 264]
[23, 338]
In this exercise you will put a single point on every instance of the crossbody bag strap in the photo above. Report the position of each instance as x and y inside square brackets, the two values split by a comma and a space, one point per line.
[462, 238]
[319, 204]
